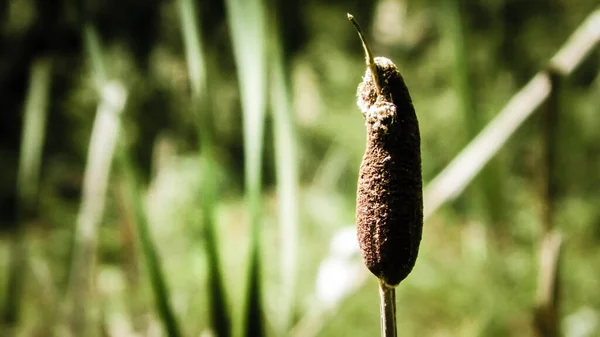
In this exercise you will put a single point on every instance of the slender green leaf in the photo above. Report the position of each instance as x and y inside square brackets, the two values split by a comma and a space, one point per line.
[193, 45]
[287, 177]
[486, 191]
[247, 27]
[103, 140]
[197, 75]
[32, 140]
[149, 251]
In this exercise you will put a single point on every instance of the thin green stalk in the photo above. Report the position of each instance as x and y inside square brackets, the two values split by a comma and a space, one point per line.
[247, 26]
[287, 178]
[387, 298]
[194, 54]
[34, 130]
[457, 33]
[102, 147]
[32, 140]
[93, 50]
[103, 140]
[485, 191]
[148, 249]
[454, 25]
[200, 103]
[549, 135]
[546, 312]
[218, 303]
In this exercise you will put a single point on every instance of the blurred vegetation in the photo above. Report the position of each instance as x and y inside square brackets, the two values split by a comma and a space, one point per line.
[237, 158]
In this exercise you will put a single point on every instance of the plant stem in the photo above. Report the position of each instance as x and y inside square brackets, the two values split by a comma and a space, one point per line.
[387, 297]
[32, 141]
[149, 251]
[370, 60]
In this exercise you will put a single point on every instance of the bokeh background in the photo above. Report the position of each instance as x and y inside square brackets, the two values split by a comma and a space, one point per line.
[189, 167]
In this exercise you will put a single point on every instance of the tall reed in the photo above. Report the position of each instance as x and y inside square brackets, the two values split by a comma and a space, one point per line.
[105, 133]
[200, 106]
[485, 192]
[246, 21]
[32, 141]
[147, 246]
[546, 312]
[287, 176]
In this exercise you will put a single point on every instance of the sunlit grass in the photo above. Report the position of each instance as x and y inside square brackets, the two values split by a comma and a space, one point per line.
[287, 180]
[246, 21]
[27, 187]
[82, 307]
[105, 133]
[200, 107]
[148, 249]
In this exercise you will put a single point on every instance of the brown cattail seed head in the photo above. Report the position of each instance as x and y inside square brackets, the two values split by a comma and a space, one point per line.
[389, 210]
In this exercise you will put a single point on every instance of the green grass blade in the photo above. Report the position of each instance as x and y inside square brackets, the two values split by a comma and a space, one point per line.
[287, 178]
[148, 249]
[254, 324]
[102, 146]
[218, 304]
[246, 23]
[32, 140]
[152, 260]
[34, 130]
[193, 45]
[247, 27]
[103, 140]
[200, 98]
[486, 190]
[94, 53]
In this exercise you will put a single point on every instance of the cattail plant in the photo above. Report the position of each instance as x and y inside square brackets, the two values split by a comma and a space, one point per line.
[389, 210]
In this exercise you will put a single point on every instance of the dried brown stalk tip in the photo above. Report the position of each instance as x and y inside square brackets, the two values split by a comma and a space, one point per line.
[389, 209]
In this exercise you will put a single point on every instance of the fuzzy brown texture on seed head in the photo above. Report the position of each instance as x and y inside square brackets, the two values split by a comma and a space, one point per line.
[389, 208]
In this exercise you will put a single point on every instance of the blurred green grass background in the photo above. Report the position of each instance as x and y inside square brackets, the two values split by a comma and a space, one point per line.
[224, 205]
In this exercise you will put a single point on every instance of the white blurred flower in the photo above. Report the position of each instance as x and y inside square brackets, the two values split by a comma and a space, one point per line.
[582, 323]
[340, 272]
[345, 243]
[337, 277]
